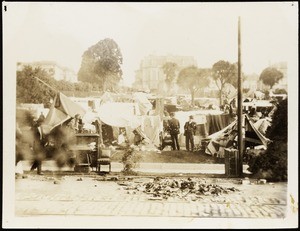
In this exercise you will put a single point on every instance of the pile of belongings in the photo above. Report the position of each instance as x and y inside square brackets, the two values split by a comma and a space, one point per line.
[164, 188]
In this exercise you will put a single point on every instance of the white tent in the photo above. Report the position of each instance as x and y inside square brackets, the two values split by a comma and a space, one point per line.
[128, 116]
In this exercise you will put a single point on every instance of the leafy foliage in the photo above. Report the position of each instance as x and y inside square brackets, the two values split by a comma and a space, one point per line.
[193, 78]
[280, 91]
[101, 65]
[169, 70]
[224, 72]
[274, 160]
[130, 160]
[30, 90]
[270, 76]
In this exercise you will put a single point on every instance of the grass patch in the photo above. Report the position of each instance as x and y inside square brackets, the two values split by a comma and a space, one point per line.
[171, 157]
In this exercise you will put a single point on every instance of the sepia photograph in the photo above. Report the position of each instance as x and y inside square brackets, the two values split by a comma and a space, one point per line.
[159, 115]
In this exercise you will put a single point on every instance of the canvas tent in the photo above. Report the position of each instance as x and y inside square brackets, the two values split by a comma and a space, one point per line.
[128, 116]
[144, 104]
[262, 124]
[61, 110]
[208, 121]
[225, 137]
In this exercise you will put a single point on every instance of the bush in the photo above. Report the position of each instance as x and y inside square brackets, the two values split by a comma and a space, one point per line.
[130, 160]
[273, 163]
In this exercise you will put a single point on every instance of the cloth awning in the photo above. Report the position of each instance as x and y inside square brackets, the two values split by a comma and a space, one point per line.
[61, 110]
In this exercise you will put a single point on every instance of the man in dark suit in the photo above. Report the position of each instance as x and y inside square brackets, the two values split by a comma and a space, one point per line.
[38, 144]
[174, 127]
[189, 132]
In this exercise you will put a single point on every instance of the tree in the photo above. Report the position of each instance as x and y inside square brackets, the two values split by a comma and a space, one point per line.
[270, 76]
[64, 85]
[193, 78]
[224, 72]
[274, 160]
[169, 70]
[280, 91]
[101, 65]
[30, 90]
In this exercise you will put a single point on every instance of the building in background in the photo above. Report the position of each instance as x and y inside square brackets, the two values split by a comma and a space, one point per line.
[57, 71]
[150, 76]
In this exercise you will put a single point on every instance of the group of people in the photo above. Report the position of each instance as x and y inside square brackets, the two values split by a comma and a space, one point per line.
[40, 141]
[76, 125]
[173, 127]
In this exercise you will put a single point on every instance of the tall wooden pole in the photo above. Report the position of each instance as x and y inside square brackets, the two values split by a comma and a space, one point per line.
[240, 106]
[46, 84]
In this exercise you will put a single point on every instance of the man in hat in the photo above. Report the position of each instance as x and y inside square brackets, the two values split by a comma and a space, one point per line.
[189, 132]
[37, 147]
[174, 127]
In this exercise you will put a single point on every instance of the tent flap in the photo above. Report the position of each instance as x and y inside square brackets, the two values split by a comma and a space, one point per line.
[252, 135]
[60, 111]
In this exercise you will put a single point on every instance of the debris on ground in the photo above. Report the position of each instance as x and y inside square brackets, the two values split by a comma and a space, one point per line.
[262, 181]
[164, 188]
[245, 181]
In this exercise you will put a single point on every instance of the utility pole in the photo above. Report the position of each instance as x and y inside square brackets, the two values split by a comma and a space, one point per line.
[240, 106]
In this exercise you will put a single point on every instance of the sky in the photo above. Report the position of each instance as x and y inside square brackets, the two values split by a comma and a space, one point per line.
[61, 32]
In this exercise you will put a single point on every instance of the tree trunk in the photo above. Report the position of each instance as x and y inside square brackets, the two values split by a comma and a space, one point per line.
[221, 90]
[104, 85]
[193, 97]
[169, 88]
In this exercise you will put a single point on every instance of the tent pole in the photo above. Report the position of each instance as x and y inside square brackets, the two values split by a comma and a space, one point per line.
[240, 107]
[46, 84]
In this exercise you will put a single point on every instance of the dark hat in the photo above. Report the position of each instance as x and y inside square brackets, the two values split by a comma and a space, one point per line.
[191, 117]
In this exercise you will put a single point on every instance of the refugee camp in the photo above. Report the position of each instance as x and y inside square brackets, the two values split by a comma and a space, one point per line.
[156, 111]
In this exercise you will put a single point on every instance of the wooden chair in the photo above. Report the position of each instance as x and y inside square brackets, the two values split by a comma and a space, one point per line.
[104, 159]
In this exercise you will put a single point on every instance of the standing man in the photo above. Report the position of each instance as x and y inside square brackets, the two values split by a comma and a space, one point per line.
[38, 147]
[189, 132]
[174, 127]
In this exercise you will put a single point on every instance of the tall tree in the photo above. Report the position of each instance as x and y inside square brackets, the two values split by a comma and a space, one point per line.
[101, 65]
[169, 69]
[224, 72]
[270, 76]
[193, 78]
[30, 90]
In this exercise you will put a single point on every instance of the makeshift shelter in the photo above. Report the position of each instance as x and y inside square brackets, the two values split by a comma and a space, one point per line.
[144, 104]
[128, 116]
[61, 110]
[262, 125]
[227, 137]
[208, 122]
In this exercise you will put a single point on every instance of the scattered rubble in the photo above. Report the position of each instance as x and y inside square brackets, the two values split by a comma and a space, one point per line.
[245, 181]
[164, 188]
[262, 181]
